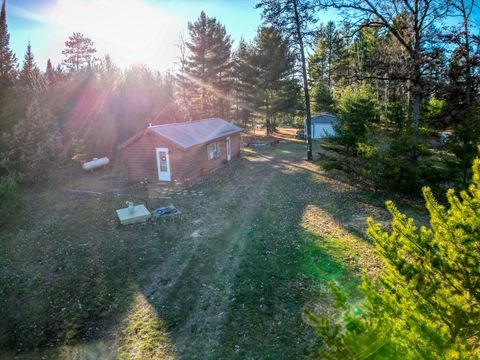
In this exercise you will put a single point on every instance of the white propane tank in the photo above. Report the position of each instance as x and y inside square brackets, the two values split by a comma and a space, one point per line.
[95, 163]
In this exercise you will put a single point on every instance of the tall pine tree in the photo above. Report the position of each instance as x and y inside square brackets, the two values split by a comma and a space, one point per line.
[244, 80]
[79, 52]
[208, 68]
[323, 65]
[8, 61]
[270, 85]
[294, 18]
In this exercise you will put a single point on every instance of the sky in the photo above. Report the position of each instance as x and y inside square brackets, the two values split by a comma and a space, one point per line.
[130, 31]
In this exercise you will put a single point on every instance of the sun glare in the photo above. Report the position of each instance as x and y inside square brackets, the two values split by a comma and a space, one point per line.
[131, 31]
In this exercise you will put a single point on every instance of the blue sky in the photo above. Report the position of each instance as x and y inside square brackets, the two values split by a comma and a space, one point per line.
[47, 24]
[131, 31]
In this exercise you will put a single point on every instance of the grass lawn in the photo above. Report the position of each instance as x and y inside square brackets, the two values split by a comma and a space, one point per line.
[227, 278]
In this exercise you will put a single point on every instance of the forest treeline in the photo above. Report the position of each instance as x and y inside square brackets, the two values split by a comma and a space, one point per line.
[86, 105]
[403, 84]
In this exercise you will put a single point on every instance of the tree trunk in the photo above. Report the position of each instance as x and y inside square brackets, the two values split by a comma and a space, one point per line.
[468, 71]
[305, 82]
[267, 120]
[416, 99]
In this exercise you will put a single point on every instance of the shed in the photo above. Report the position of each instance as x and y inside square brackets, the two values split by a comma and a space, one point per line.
[322, 125]
[180, 152]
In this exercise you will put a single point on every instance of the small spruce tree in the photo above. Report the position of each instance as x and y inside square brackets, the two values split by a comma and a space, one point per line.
[426, 302]
[30, 73]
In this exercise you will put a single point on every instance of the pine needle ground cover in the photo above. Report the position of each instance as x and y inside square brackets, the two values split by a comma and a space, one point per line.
[228, 277]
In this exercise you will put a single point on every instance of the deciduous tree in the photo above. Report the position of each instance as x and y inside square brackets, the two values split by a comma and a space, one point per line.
[411, 23]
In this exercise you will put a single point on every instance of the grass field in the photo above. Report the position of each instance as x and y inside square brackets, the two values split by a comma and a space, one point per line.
[227, 278]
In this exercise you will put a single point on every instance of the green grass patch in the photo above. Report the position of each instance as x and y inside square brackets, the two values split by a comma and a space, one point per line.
[327, 259]
[144, 335]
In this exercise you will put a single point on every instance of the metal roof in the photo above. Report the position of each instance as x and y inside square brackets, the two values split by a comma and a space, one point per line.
[324, 118]
[196, 132]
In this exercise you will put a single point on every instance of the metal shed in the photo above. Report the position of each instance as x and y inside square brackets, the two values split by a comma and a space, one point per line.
[322, 125]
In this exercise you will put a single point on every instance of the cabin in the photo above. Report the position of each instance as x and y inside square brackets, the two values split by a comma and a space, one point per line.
[323, 125]
[180, 153]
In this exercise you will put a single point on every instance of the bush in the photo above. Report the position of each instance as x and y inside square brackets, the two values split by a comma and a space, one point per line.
[11, 202]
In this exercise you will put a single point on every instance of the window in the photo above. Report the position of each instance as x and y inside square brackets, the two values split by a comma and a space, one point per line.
[213, 150]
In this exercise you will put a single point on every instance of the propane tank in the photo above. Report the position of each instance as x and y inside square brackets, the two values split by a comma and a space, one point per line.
[95, 163]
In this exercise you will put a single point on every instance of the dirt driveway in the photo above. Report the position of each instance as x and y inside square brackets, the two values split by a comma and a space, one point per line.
[227, 278]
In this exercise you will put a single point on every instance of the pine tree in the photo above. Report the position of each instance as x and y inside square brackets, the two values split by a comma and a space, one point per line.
[50, 73]
[358, 111]
[208, 68]
[426, 302]
[461, 90]
[59, 73]
[183, 85]
[323, 66]
[294, 19]
[269, 75]
[79, 52]
[244, 82]
[8, 61]
[30, 73]
[32, 144]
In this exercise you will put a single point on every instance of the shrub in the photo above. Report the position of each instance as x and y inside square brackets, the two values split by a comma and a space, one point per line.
[11, 202]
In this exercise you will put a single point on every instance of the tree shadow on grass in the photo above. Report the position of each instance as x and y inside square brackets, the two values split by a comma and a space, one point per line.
[238, 289]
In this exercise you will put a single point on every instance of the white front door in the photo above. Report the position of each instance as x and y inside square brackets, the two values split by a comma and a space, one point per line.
[229, 149]
[163, 164]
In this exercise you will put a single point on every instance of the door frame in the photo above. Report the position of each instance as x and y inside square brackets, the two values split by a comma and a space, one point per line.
[228, 145]
[162, 175]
